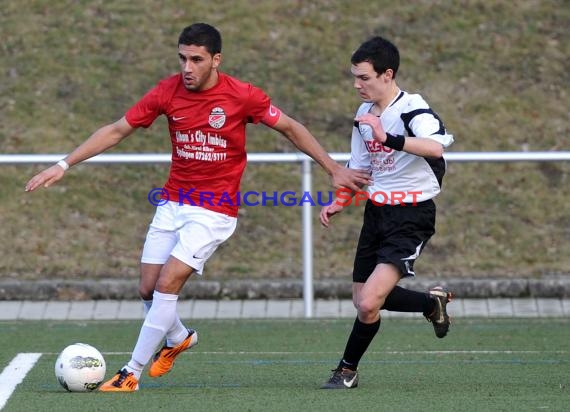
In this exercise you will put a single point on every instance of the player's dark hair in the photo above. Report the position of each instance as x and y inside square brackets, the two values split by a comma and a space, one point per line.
[379, 52]
[202, 34]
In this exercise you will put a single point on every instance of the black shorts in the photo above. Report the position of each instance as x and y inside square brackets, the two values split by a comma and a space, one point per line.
[393, 234]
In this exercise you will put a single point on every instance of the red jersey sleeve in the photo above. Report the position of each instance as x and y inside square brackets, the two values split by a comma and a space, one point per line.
[260, 108]
[272, 116]
[148, 108]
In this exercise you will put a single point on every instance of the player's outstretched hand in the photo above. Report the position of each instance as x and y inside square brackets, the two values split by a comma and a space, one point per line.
[329, 211]
[46, 178]
[352, 179]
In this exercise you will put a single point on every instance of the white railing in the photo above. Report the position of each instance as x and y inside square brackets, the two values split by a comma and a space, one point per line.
[306, 162]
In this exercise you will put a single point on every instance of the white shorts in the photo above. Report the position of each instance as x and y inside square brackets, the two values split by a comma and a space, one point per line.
[189, 233]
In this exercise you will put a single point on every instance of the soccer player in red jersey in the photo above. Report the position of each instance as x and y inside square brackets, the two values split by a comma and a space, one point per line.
[207, 113]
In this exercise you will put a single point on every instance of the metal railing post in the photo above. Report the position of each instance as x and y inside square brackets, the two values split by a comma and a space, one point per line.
[307, 241]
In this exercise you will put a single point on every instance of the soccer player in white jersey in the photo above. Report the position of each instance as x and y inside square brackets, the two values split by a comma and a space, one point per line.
[207, 112]
[401, 141]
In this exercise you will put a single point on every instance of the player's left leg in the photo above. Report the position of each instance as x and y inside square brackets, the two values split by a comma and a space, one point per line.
[411, 228]
[199, 237]
[432, 304]
[438, 316]
[406, 300]
[178, 337]
[163, 360]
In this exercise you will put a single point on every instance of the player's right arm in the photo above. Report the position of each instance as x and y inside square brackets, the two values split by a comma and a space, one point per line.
[360, 160]
[343, 198]
[100, 141]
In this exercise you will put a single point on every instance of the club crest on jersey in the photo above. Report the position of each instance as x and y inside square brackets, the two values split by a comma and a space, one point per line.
[217, 118]
[374, 147]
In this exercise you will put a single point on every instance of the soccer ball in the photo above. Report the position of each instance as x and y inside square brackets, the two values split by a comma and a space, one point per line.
[80, 368]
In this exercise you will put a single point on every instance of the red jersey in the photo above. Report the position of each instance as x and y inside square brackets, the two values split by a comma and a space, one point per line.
[207, 130]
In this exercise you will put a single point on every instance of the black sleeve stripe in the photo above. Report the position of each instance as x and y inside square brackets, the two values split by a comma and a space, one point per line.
[436, 165]
[407, 118]
[438, 168]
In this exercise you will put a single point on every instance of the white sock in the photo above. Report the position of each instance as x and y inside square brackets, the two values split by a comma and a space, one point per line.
[134, 367]
[158, 321]
[176, 334]
[146, 305]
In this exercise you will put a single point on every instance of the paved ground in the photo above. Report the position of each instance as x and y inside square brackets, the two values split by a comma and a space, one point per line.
[260, 309]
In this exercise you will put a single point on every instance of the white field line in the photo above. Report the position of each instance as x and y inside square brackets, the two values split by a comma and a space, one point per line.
[14, 374]
[421, 352]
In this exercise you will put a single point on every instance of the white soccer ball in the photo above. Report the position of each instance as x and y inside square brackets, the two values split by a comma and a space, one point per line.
[80, 368]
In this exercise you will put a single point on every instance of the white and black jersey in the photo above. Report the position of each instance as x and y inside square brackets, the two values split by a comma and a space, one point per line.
[398, 172]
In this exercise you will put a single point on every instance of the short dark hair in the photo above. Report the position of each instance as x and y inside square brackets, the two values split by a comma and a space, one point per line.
[379, 52]
[202, 34]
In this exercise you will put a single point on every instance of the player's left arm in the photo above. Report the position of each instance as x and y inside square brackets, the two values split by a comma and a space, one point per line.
[423, 147]
[308, 144]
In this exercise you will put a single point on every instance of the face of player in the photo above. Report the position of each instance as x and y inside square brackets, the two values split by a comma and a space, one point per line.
[198, 67]
[371, 86]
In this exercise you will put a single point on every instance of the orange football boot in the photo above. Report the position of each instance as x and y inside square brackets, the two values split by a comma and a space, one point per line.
[123, 381]
[164, 359]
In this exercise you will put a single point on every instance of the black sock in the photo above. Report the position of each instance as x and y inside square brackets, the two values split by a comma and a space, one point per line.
[406, 300]
[358, 341]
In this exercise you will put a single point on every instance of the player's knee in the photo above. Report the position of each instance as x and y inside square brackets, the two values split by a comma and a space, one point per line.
[355, 302]
[145, 292]
[171, 285]
[367, 307]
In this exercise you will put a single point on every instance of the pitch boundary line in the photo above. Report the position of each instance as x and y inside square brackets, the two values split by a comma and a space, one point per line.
[420, 352]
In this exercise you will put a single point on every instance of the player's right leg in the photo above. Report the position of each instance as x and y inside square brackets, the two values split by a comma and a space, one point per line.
[122, 381]
[160, 318]
[149, 273]
[160, 241]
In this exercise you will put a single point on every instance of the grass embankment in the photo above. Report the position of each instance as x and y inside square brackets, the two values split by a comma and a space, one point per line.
[496, 71]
